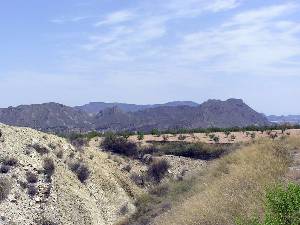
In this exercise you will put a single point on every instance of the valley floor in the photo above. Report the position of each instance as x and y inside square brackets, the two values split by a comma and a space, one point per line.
[233, 137]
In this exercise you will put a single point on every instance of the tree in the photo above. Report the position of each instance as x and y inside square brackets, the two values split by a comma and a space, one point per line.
[232, 137]
[165, 138]
[155, 132]
[140, 136]
[216, 139]
[227, 133]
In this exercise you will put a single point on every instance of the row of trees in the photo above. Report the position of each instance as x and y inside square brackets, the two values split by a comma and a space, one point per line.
[156, 132]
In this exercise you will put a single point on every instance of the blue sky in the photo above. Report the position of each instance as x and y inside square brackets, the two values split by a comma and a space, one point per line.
[138, 51]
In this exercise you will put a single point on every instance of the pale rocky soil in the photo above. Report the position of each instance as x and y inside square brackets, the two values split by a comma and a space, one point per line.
[107, 194]
[106, 197]
[202, 137]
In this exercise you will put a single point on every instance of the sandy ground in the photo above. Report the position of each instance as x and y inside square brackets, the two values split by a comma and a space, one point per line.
[202, 137]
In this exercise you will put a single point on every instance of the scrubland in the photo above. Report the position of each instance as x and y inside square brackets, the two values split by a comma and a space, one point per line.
[235, 185]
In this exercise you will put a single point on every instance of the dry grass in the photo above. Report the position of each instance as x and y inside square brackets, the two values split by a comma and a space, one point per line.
[235, 186]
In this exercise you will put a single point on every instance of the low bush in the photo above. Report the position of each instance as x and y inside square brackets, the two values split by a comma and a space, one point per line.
[120, 145]
[165, 137]
[193, 150]
[81, 170]
[10, 162]
[79, 143]
[40, 149]
[49, 167]
[31, 177]
[32, 190]
[216, 139]
[4, 169]
[149, 149]
[5, 187]
[181, 137]
[158, 169]
[60, 154]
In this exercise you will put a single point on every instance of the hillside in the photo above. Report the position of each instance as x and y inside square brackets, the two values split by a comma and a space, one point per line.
[39, 185]
[47, 117]
[59, 118]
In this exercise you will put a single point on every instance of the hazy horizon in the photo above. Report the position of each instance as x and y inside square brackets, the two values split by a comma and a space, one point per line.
[151, 52]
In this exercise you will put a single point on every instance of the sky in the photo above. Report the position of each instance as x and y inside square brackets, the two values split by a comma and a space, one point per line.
[151, 51]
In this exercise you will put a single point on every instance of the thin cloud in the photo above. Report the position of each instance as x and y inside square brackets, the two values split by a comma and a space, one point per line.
[64, 20]
[263, 14]
[116, 18]
[256, 42]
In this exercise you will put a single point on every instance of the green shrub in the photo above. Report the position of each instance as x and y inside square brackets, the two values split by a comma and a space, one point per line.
[193, 150]
[282, 207]
[140, 136]
[155, 132]
[119, 145]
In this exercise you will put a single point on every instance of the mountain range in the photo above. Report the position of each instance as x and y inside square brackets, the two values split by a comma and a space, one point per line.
[54, 117]
[95, 107]
[293, 119]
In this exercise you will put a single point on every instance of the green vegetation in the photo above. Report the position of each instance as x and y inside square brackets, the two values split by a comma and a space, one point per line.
[86, 137]
[282, 207]
[140, 136]
[120, 145]
[192, 150]
[233, 187]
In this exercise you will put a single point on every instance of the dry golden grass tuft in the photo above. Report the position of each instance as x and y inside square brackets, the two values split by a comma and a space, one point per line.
[235, 185]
